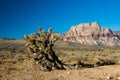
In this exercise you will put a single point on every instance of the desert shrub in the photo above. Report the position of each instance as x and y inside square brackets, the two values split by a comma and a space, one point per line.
[103, 62]
[40, 49]
[88, 59]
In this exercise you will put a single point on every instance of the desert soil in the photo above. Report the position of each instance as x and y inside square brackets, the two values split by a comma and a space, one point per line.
[15, 66]
[25, 71]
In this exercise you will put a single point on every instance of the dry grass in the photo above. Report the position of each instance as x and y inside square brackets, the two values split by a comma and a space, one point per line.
[16, 65]
[90, 58]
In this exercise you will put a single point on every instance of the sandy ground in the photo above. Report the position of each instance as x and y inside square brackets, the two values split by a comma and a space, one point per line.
[23, 71]
[99, 73]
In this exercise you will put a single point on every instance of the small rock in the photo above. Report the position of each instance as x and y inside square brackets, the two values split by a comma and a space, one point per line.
[68, 73]
[118, 78]
[108, 77]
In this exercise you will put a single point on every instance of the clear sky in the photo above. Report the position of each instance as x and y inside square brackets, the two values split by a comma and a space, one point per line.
[19, 17]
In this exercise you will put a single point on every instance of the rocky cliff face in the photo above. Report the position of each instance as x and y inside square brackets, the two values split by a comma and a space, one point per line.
[92, 34]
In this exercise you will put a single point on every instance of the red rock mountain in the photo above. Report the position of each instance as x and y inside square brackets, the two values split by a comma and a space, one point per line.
[92, 34]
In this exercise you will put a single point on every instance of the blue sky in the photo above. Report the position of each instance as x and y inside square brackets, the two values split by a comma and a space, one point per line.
[19, 17]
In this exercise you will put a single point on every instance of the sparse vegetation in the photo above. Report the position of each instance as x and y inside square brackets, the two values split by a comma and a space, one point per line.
[16, 65]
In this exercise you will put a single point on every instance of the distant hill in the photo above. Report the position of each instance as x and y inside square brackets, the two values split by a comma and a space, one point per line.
[117, 33]
[7, 39]
[92, 34]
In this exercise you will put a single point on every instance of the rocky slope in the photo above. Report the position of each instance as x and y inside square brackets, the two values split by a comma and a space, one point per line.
[117, 33]
[92, 34]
